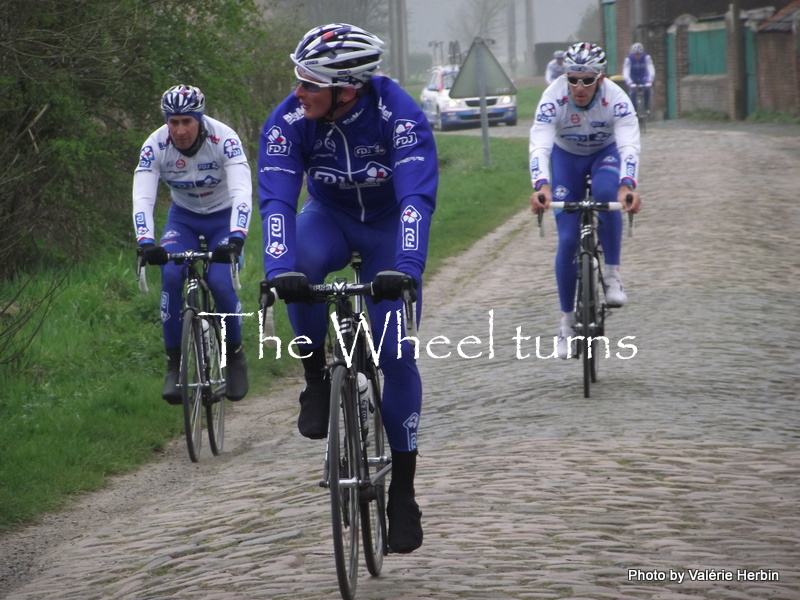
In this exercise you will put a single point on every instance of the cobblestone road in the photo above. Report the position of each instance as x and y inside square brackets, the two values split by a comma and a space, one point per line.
[678, 480]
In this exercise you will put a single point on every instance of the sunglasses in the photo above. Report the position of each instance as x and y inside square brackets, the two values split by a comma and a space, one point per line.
[310, 86]
[586, 81]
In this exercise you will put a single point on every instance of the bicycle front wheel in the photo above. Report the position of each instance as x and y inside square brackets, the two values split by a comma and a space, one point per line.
[588, 319]
[191, 381]
[373, 499]
[343, 482]
[215, 400]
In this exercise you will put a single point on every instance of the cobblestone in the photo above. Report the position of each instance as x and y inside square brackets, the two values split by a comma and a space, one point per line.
[685, 462]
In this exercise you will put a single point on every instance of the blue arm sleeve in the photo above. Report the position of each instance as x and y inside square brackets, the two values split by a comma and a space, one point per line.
[416, 179]
[280, 179]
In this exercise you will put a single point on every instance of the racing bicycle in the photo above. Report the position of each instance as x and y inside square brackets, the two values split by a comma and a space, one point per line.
[642, 109]
[591, 310]
[356, 462]
[202, 375]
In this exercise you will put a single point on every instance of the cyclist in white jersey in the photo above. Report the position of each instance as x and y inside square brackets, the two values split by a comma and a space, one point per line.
[203, 163]
[584, 125]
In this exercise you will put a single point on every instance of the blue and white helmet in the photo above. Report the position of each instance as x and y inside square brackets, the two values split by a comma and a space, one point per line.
[585, 57]
[181, 99]
[339, 54]
[637, 48]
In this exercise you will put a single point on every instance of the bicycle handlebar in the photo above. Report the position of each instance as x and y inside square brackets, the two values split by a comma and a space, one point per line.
[322, 291]
[187, 256]
[588, 205]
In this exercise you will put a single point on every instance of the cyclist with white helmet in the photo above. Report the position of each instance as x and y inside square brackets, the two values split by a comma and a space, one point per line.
[555, 68]
[584, 125]
[203, 163]
[638, 70]
[370, 162]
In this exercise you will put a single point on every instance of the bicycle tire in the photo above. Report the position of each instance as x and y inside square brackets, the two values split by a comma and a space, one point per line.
[640, 106]
[373, 503]
[191, 382]
[587, 318]
[342, 457]
[215, 401]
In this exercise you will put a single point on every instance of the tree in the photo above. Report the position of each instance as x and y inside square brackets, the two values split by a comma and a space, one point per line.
[80, 82]
[481, 18]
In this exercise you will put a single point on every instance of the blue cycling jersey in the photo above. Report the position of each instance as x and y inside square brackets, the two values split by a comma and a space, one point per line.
[377, 160]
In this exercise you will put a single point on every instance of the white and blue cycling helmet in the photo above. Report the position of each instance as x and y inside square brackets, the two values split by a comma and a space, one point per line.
[339, 54]
[585, 57]
[183, 99]
[637, 48]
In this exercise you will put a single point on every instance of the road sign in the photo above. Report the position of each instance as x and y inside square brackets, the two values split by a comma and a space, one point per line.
[481, 63]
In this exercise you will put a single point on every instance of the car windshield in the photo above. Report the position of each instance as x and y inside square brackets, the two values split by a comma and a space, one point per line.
[448, 79]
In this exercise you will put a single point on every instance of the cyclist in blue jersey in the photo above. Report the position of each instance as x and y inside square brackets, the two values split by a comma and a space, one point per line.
[584, 126]
[369, 160]
[203, 163]
[638, 70]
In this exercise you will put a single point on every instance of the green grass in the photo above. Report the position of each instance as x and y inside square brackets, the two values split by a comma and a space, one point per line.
[83, 403]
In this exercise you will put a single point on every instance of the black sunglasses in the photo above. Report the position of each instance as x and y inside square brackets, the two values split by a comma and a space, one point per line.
[586, 81]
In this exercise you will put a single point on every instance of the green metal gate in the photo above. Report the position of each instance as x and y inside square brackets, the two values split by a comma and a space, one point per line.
[672, 84]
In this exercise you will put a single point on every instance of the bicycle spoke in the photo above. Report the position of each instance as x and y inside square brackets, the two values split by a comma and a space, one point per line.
[191, 382]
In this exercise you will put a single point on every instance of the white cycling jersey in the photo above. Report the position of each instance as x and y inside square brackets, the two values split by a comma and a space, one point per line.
[216, 178]
[609, 118]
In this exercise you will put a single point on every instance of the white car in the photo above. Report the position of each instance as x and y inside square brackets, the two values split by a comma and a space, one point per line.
[445, 112]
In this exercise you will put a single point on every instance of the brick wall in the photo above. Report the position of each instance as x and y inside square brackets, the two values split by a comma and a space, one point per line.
[778, 74]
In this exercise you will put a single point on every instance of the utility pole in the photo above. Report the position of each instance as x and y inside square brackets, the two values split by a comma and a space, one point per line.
[398, 27]
[739, 75]
[512, 37]
[530, 47]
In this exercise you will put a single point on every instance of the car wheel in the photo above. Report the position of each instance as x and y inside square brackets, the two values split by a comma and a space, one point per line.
[437, 123]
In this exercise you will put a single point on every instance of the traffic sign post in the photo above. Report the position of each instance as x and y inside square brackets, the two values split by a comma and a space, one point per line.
[480, 76]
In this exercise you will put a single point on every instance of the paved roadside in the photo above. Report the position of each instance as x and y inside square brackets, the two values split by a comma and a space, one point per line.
[678, 480]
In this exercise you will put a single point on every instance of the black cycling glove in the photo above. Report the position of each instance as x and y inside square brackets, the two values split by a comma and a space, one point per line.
[389, 285]
[291, 287]
[227, 253]
[152, 254]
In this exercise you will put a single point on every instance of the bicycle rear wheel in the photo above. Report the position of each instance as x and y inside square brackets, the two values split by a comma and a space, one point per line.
[191, 381]
[343, 448]
[215, 400]
[373, 499]
[587, 315]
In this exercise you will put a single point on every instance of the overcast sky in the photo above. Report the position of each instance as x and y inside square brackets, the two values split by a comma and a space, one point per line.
[431, 20]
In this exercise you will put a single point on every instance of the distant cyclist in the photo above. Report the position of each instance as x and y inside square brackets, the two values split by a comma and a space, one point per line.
[202, 161]
[638, 70]
[366, 153]
[584, 125]
[555, 68]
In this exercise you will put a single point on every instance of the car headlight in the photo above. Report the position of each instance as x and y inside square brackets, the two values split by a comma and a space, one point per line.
[454, 103]
[506, 100]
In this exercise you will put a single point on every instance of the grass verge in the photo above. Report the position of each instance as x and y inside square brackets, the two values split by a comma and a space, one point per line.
[83, 403]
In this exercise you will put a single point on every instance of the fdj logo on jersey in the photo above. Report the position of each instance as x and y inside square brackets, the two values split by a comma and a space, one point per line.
[276, 237]
[403, 134]
[146, 157]
[244, 212]
[141, 224]
[277, 144]
[232, 148]
[410, 224]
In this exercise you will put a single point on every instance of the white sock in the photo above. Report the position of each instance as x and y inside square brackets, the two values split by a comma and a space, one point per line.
[568, 319]
[612, 271]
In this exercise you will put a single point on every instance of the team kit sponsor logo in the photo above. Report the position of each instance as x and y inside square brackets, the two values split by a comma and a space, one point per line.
[146, 157]
[547, 110]
[243, 215]
[373, 174]
[410, 224]
[404, 136]
[276, 237]
[276, 143]
[232, 148]
[141, 224]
